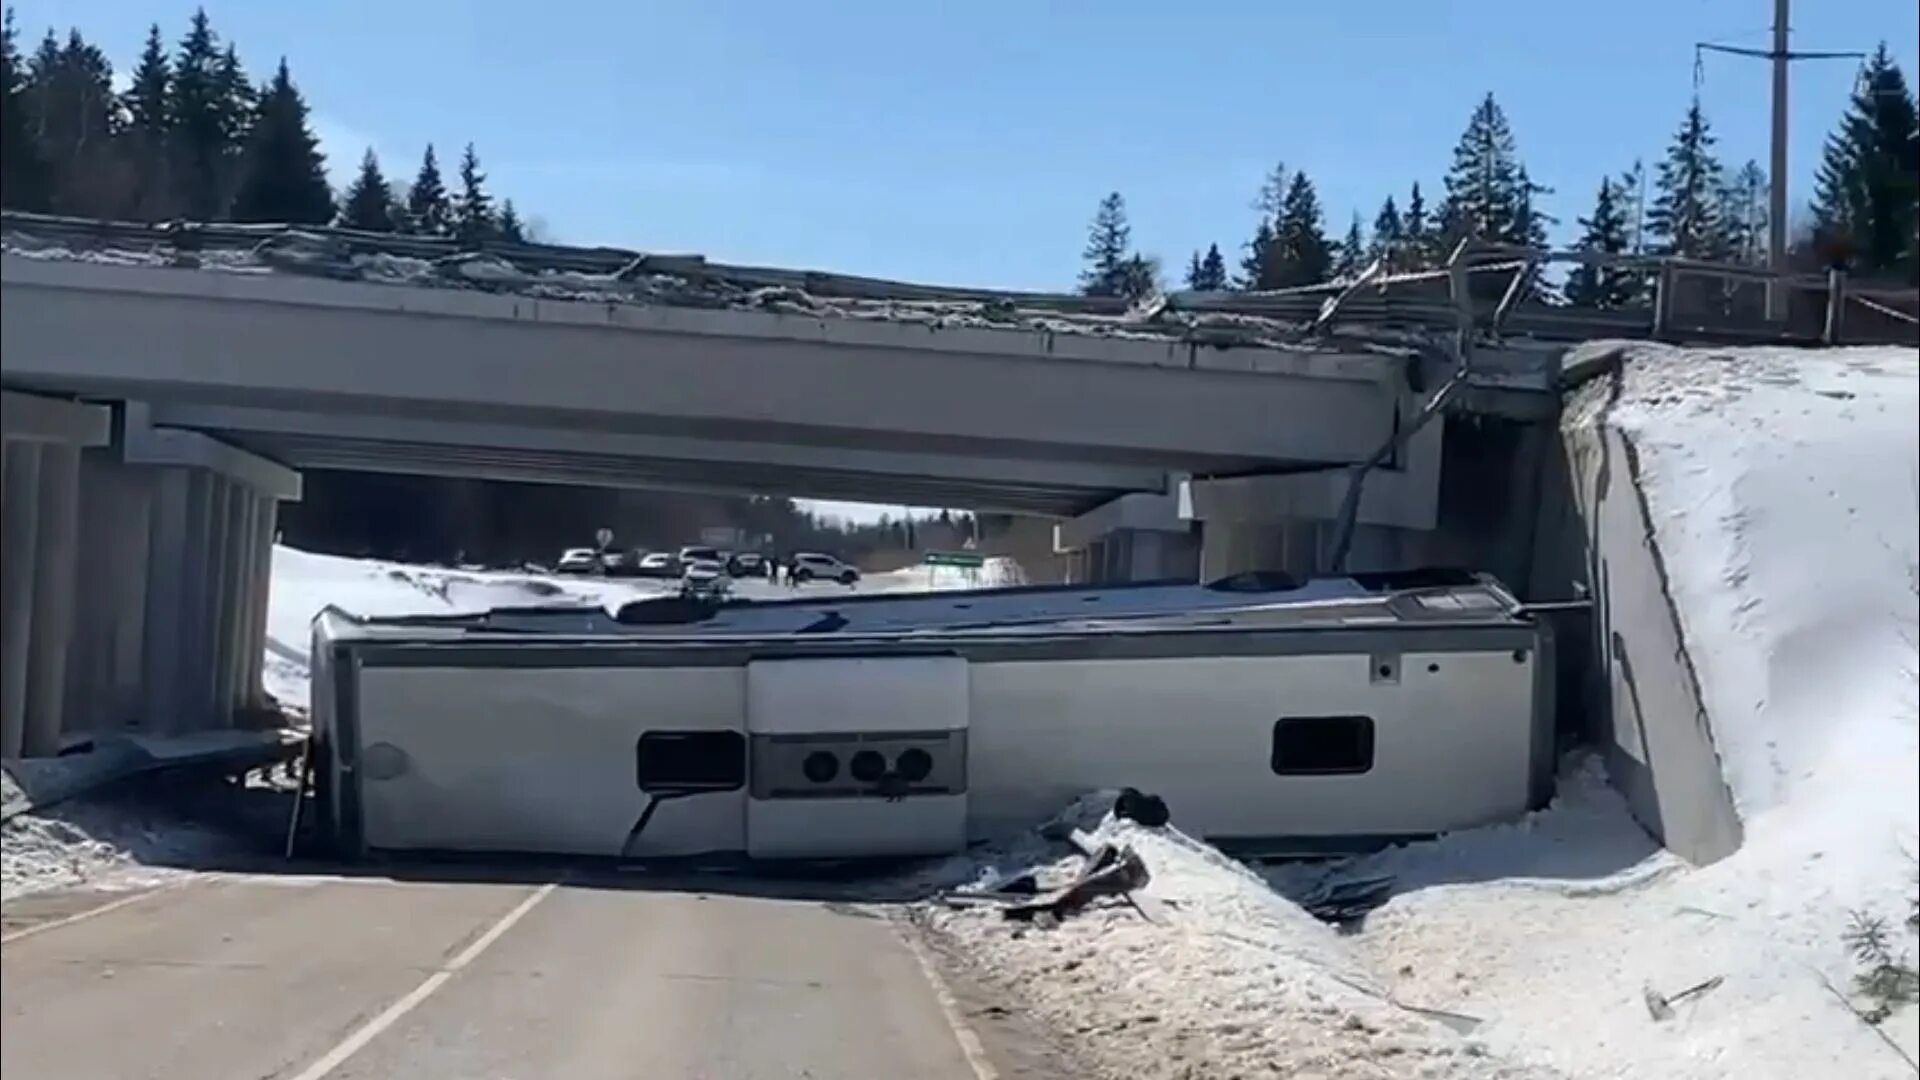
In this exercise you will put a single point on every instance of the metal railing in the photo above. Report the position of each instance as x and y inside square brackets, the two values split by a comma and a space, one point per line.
[1676, 300]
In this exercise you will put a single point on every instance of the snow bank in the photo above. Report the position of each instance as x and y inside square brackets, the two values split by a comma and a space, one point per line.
[1781, 487]
[103, 846]
[1221, 977]
[305, 583]
[1782, 491]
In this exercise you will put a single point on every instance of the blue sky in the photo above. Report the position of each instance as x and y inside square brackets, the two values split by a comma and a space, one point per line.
[968, 143]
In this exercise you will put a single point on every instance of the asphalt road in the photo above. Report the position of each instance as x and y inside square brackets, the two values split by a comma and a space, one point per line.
[299, 978]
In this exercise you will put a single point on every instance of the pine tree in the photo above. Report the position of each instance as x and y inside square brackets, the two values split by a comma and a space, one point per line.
[1487, 196]
[23, 169]
[1273, 192]
[237, 101]
[1606, 232]
[1528, 227]
[473, 210]
[147, 102]
[1631, 194]
[145, 99]
[1416, 232]
[1386, 234]
[1867, 191]
[1255, 272]
[198, 138]
[283, 175]
[72, 110]
[1109, 239]
[510, 227]
[1684, 219]
[368, 203]
[1207, 273]
[1260, 262]
[428, 211]
[1743, 207]
[1352, 256]
[1301, 254]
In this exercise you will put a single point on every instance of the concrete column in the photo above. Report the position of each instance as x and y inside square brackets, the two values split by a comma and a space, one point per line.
[19, 530]
[105, 678]
[197, 561]
[55, 563]
[166, 653]
[225, 524]
[233, 650]
[266, 522]
[1137, 537]
[1230, 547]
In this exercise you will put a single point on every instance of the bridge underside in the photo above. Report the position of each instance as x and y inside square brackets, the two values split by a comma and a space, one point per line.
[1003, 477]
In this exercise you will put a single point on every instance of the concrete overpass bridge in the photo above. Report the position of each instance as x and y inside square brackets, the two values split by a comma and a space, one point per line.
[164, 390]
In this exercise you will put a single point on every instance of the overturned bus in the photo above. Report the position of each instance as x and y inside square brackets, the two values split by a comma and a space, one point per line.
[1274, 717]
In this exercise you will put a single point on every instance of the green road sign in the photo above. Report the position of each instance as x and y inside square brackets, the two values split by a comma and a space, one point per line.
[968, 559]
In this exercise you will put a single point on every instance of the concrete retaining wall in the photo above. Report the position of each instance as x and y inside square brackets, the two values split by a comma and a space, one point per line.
[1629, 666]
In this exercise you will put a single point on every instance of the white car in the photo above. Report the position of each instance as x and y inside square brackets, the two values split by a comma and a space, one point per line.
[810, 565]
[579, 561]
[658, 564]
[705, 577]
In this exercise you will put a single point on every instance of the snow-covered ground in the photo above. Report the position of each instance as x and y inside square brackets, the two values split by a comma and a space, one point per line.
[1214, 975]
[1782, 486]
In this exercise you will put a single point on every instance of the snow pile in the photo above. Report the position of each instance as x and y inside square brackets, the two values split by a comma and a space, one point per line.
[1782, 489]
[305, 583]
[100, 845]
[1220, 977]
[141, 832]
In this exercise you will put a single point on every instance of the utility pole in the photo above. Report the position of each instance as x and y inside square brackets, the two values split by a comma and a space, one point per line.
[1777, 172]
[1780, 56]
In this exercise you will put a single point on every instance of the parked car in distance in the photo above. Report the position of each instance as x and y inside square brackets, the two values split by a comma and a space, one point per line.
[706, 578]
[578, 561]
[809, 565]
[618, 563]
[658, 564]
[747, 564]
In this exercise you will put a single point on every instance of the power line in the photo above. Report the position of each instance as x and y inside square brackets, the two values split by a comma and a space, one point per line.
[1779, 56]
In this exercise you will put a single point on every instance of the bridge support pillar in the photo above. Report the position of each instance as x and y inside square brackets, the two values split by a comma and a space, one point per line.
[1137, 537]
[39, 517]
[136, 573]
[1289, 523]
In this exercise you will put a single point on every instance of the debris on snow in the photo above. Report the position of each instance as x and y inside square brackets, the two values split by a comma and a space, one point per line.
[1226, 979]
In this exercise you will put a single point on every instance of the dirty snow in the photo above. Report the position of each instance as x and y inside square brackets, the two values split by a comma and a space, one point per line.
[106, 846]
[143, 833]
[1783, 489]
[1220, 977]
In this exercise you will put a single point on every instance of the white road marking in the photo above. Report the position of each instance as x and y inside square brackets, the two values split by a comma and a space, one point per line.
[355, 1042]
[81, 916]
[970, 1046]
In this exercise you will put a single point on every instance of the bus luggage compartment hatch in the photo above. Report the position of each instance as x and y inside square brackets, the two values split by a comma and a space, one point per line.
[861, 756]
